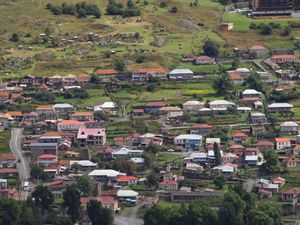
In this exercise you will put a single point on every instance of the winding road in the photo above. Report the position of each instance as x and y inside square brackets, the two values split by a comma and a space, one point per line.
[131, 219]
[23, 165]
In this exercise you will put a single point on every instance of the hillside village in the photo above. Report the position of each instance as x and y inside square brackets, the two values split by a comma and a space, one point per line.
[168, 124]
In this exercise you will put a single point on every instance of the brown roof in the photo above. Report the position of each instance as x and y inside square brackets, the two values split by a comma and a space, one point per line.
[14, 113]
[235, 76]
[264, 143]
[158, 104]
[105, 72]
[82, 114]
[292, 191]
[3, 94]
[202, 126]
[7, 156]
[284, 57]
[44, 107]
[151, 70]
[8, 170]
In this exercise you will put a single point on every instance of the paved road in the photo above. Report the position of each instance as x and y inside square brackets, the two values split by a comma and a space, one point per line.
[23, 166]
[131, 219]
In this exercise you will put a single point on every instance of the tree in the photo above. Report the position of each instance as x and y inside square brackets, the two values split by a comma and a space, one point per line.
[149, 158]
[99, 215]
[9, 212]
[71, 197]
[100, 115]
[232, 212]
[266, 30]
[286, 31]
[151, 87]
[37, 172]
[235, 63]
[254, 81]
[27, 216]
[119, 65]
[15, 37]
[124, 165]
[223, 85]
[95, 79]
[272, 210]
[85, 185]
[153, 178]
[220, 181]
[210, 48]
[140, 126]
[156, 216]
[217, 154]
[163, 4]
[153, 148]
[82, 13]
[43, 198]
[174, 9]
[225, 2]
[272, 163]
[256, 217]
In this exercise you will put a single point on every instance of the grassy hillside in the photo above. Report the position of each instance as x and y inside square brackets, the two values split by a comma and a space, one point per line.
[163, 36]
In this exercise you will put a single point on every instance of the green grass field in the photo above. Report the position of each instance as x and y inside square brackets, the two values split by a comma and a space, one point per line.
[4, 141]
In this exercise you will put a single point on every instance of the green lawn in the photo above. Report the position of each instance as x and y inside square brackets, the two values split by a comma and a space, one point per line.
[4, 141]
[242, 22]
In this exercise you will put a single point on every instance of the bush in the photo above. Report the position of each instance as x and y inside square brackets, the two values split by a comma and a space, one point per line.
[81, 10]
[266, 30]
[210, 48]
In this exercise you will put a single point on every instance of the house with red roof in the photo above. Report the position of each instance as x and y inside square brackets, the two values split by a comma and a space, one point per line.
[259, 50]
[102, 73]
[47, 159]
[145, 73]
[290, 195]
[83, 78]
[237, 149]
[204, 60]
[82, 116]
[127, 180]
[8, 160]
[9, 193]
[264, 144]
[107, 202]
[138, 112]
[91, 137]
[131, 140]
[291, 162]
[279, 59]
[239, 137]
[168, 185]
[151, 107]
[237, 79]
[201, 129]
[69, 125]
[282, 143]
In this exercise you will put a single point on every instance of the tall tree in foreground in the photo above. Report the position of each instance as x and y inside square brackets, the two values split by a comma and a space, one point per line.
[224, 85]
[99, 215]
[210, 48]
[71, 202]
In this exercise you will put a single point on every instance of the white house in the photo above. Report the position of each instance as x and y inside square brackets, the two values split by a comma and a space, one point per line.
[220, 104]
[251, 93]
[189, 142]
[282, 143]
[280, 107]
[192, 105]
[181, 74]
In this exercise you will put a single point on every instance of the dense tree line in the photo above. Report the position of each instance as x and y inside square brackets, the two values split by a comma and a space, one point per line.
[237, 208]
[115, 8]
[80, 10]
[42, 209]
